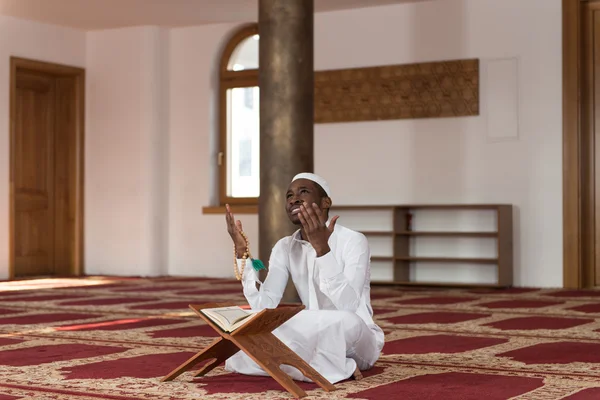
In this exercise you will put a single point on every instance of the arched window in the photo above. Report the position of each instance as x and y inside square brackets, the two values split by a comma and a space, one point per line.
[239, 119]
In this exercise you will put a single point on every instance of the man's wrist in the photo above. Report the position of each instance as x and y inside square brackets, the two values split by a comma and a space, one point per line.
[240, 250]
[321, 251]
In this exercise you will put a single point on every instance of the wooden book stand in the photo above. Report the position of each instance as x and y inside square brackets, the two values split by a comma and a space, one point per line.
[256, 340]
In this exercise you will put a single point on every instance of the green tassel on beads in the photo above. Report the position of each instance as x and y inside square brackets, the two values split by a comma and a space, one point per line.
[257, 264]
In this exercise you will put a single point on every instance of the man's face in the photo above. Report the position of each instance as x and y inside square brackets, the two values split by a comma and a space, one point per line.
[299, 192]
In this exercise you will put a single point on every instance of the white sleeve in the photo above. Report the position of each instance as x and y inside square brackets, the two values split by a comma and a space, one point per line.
[270, 292]
[343, 283]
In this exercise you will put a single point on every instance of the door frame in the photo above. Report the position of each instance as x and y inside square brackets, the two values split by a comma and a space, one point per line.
[78, 208]
[579, 180]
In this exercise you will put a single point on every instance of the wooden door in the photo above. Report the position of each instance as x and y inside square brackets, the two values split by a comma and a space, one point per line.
[46, 169]
[65, 165]
[34, 174]
[590, 146]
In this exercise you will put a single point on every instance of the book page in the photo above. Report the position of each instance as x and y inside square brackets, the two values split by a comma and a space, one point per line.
[231, 315]
[226, 317]
[243, 321]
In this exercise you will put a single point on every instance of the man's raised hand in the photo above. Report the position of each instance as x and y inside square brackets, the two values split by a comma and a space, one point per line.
[314, 224]
[235, 231]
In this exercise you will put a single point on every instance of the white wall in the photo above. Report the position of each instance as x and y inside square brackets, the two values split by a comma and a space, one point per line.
[34, 41]
[126, 152]
[198, 244]
[454, 160]
[419, 161]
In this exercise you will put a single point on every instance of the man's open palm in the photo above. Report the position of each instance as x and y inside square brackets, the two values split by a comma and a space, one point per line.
[315, 227]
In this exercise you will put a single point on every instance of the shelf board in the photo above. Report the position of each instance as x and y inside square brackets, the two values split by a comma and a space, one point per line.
[453, 206]
[364, 208]
[451, 234]
[437, 284]
[377, 233]
[382, 258]
[450, 260]
[421, 206]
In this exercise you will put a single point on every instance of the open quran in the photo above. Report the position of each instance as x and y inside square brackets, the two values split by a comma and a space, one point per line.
[228, 318]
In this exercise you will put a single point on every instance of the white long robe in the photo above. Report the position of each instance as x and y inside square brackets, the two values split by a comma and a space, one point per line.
[336, 333]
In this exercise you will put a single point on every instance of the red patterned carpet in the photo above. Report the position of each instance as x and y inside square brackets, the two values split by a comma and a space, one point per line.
[102, 338]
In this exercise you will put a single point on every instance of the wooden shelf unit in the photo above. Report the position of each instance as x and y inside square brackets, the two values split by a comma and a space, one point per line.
[402, 234]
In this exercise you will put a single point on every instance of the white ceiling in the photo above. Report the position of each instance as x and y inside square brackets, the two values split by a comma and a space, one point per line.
[105, 14]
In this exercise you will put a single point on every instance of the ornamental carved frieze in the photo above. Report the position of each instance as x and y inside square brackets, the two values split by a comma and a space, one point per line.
[408, 91]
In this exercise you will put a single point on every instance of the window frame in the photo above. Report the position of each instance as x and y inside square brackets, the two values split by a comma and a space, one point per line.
[229, 79]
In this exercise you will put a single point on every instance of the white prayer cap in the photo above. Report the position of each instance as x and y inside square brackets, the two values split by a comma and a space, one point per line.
[315, 178]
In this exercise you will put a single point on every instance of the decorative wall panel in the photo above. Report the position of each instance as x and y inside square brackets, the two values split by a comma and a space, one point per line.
[423, 90]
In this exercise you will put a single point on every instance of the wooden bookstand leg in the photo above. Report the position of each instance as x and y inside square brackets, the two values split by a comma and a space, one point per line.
[270, 353]
[261, 352]
[221, 349]
[228, 349]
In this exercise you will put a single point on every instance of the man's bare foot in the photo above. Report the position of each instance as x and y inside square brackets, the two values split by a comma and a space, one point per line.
[357, 375]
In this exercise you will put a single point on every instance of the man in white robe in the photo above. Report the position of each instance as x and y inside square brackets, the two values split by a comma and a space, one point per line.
[330, 267]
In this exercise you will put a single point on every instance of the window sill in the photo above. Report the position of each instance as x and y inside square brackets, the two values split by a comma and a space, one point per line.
[237, 209]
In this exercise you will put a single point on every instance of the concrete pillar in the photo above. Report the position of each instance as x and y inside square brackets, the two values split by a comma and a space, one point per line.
[286, 81]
